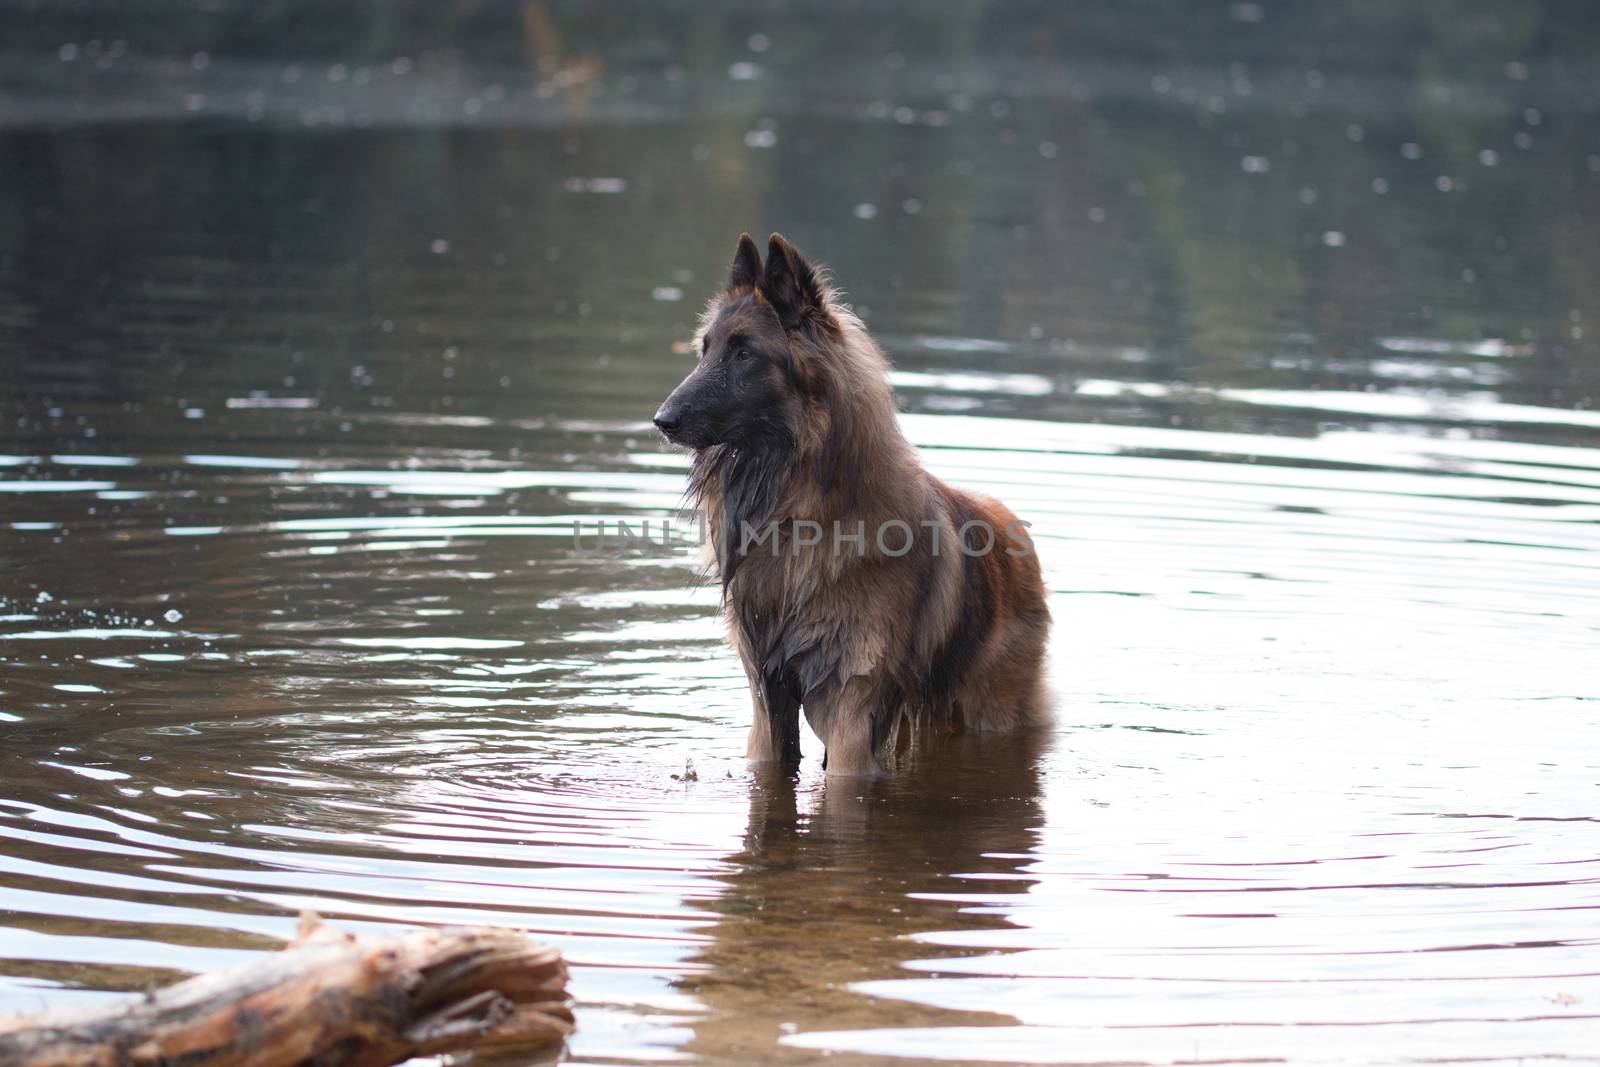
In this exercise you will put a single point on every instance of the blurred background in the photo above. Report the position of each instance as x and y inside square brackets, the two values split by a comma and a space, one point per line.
[322, 325]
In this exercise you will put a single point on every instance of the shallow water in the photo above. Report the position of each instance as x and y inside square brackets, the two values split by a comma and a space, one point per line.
[319, 340]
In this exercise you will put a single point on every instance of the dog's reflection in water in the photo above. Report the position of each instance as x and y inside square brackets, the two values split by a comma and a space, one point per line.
[835, 879]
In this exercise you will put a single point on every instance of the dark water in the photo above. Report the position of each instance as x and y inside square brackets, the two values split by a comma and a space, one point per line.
[321, 326]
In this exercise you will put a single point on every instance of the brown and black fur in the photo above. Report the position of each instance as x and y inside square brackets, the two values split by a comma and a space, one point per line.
[792, 422]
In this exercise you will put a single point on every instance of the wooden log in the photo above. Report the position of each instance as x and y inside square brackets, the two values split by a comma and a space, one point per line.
[329, 999]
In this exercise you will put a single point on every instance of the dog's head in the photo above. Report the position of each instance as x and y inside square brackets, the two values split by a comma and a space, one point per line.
[748, 386]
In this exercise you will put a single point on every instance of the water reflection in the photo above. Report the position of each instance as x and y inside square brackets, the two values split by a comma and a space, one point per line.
[832, 885]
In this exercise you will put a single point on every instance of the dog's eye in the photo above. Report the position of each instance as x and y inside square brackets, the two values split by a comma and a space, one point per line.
[742, 355]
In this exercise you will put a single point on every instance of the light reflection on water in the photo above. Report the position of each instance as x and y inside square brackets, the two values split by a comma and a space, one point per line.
[292, 614]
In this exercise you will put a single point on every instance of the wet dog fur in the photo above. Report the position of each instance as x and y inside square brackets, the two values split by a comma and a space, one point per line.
[793, 430]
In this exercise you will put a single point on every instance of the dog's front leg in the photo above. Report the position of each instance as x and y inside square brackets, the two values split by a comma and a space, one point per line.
[843, 720]
[775, 726]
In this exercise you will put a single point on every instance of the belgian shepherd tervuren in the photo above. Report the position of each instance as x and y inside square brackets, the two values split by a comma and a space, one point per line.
[856, 585]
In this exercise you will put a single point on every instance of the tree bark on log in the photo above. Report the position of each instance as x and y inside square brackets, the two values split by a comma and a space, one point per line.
[329, 1000]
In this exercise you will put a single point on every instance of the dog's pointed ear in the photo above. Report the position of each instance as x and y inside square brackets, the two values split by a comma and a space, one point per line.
[746, 269]
[790, 284]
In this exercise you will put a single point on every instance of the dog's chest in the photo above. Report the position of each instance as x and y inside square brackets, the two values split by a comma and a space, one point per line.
[790, 630]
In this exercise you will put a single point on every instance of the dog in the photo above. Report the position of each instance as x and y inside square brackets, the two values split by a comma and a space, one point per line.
[856, 586]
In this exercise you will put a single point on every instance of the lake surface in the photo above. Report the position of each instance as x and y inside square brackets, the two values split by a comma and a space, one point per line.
[323, 326]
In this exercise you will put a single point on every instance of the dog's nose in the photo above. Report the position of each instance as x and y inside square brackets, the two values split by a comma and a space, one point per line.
[668, 421]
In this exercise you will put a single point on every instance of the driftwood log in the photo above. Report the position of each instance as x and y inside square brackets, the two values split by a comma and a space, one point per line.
[329, 999]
